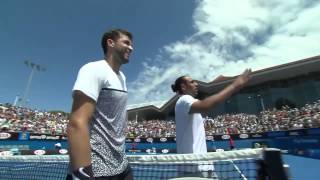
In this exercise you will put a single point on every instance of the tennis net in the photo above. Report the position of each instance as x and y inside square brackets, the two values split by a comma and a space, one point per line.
[238, 164]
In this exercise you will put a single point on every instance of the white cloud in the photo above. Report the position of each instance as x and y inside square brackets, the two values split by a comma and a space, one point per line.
[231, 36]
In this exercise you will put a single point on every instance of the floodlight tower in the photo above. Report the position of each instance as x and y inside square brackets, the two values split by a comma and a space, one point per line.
[34, 67]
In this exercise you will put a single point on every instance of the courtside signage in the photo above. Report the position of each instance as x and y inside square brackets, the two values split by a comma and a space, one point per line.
[5, 135]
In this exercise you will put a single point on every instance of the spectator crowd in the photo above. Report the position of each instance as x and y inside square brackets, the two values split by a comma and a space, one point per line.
[15, 119]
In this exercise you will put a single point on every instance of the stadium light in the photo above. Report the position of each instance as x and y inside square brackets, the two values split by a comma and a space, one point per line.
[16, 100]
[34, 67]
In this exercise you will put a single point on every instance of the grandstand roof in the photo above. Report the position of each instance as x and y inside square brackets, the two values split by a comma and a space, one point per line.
[157, 104]
[284, 71]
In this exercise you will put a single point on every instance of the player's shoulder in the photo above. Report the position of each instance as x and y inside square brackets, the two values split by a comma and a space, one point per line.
[93, 66]
[185, 98]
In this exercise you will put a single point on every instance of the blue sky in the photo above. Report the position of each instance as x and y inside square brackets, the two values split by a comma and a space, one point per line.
[202, 38]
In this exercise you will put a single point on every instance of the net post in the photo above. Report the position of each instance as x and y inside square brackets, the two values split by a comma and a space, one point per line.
[273, 166]
[287, 170]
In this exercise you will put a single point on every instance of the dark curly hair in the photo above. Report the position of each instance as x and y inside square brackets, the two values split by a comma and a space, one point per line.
[176, 87]
[113, 34]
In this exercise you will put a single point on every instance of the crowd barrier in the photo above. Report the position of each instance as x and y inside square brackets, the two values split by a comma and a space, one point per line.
[26, 136]
[305, 142]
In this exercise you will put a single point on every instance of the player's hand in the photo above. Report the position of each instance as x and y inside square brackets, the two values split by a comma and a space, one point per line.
[242, 79]
[83, 173]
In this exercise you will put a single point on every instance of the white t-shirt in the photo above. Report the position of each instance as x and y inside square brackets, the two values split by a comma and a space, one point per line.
[94, 76]
[190, 132]
[108, 123]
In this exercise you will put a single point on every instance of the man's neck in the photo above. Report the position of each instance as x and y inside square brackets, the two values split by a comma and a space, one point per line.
[115, 66]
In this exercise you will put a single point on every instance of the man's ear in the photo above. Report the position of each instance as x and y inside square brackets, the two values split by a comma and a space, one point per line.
[110, 42]
[183, 87]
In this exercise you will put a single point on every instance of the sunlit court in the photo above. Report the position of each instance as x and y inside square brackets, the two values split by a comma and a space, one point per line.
[179, 89]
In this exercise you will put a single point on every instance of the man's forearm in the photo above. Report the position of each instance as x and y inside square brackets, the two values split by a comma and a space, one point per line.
[221, 96]
[79, 147]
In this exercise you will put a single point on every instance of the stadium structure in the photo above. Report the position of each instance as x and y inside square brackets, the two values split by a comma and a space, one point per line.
[293, 84]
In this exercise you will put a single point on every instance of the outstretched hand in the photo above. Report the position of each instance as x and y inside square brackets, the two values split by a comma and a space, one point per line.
[242, 79]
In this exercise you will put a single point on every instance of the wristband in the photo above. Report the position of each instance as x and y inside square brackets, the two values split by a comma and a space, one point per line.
[83, 173]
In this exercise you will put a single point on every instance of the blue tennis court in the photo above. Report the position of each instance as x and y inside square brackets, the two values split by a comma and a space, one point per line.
[302, 168]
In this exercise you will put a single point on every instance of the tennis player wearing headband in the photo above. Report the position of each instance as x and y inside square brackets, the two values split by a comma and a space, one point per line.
[96, 130]
[190, 132]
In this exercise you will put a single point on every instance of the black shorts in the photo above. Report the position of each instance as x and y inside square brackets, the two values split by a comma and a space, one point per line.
[125, 175]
